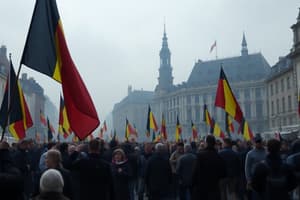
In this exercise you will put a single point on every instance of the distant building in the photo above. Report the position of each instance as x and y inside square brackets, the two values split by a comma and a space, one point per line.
[134, 107]
[282, 96]
[246, 74]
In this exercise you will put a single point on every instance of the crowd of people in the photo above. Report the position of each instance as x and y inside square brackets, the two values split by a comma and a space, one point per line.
[208, 169]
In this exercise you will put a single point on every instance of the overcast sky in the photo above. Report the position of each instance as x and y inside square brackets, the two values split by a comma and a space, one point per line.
[116, 43]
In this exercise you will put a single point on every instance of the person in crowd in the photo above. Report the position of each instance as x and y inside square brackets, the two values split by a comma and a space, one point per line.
[21, 160]
[294, 162]
[284, 150]
[121, 175]
[273, 179]
[11, 180]
[140, 188]
[42, 163]
[94, 175]
[51, 186]
[173, 162]
[184, 170]
[230, 184]
[158, 175]
[253, 157]
[209, 169]
[53, 160]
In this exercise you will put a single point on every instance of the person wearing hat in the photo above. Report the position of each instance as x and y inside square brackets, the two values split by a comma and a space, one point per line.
[51, 186]
[121, 174]
[254, 156]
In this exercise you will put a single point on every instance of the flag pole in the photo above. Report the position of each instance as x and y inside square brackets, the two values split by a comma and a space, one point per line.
[12, 96]
[216, 50]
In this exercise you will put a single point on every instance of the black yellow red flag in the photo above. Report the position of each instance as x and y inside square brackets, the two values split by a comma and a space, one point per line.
[226, 99]
[178, 131]
[46, 51]
[151, 122]
[19, 119]
[64, 127]
[163, 128]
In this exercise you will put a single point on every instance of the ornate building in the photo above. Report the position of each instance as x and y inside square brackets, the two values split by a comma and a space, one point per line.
[246, 74]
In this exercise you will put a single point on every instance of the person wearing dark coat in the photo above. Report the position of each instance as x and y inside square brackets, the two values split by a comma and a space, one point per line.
[51, 186]
[94, 175]
[121, 175]
[158, 174]
[54, 161]
[11, 183]
[273, 179]
[210, 168]
[184, 171]
[230, 184]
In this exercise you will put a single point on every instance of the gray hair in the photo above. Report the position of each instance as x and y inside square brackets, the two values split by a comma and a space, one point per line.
[51, 181]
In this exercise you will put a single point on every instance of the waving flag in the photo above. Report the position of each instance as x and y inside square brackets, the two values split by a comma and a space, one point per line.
[206, 116]
[163, 129]
[128, 130]
[194, 132]
[246, 131]
[19, 119]
[216, 130]
[178, 131]
[64, 127]
[42, 118]
[151, 122]
[226, 100]
[46, 51]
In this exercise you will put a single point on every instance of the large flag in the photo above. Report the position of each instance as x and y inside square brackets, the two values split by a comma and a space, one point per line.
[50, 130]
[194, 132]
[46, 51]
[64, 127]
[151, 122]
[42, 118]
[246, 131]
[128, 130]
[163, 128]
[178, 130]
[226, 100]
[19, 119]
[228, 124]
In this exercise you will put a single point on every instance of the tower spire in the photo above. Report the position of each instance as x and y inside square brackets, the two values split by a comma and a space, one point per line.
[244, 50]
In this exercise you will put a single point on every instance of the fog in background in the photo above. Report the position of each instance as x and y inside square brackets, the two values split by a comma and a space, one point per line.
[116, 43]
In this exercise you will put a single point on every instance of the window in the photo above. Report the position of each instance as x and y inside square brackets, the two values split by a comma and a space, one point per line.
[289, 103]
[282, 85]
[283, 104]
[277, 106]
[197, 99]
[204, 99]
[198, 113]
[276, 87]
[259, 109]
[247, 94]
[248, 110]
[257, 92]
[272, 107]
[272, 89]
[288, 83]
[189, 99]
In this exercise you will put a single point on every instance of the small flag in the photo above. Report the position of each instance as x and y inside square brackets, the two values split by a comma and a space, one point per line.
[104, 126]
[64, 127]
[246, 131]
[151, 122]
[42, 118]
[194, 132]
[50, 130]
[213, 46]
[163, 128]
[226, 100]
[216, 130]
[206, 116]
[228, 124]
[178, 131]
[128, 130]
[19, 119]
